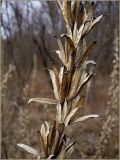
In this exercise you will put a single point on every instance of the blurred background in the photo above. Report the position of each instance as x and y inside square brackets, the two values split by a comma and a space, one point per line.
[27, 33]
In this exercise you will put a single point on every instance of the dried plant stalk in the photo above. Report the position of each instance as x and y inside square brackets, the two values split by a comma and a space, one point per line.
[68, 81]
[112, 117]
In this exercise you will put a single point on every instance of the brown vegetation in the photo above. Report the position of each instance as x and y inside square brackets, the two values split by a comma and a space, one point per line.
[28, 49]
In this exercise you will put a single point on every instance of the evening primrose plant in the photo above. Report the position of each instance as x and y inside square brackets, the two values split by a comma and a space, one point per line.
[68, 81]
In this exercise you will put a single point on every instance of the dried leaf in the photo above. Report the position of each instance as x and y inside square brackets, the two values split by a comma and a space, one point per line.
[79, 13]
[86, 117]
[75, 31]
[70, 150]
[61, 146]
[61, 74]
[73, 9]
[90, 11]
[44, 136]
[89, 62]
[55, 142]
[73, 56]
[82, 84]
[79, 102]
[55, 84]
[42, 130]
[74, 83]
[47, 128]
[43, 100]
[92, 24]
[67, 10]
[78, 109]
[89, 18]
[62, 52]
[65, 19]
[60, 127]
[84, 56]
[85, 81]
[79, 35]
[50, 156]
[67, 120]
[80, 49]
[41, 144]
[87, 25]
[59, 4]
[61, 58]
[67, 51]
[85, 15]
[52, 134]
[55, 70]
[65, 110]
[63, 87]
[28, 149]
[69, 146]
[97, 20]
[69, 40]
[69, 32]
[62, 153]
[59, 113]
[69, 63]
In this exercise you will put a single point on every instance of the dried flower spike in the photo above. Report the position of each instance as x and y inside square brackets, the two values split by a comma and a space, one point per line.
[68, 81]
